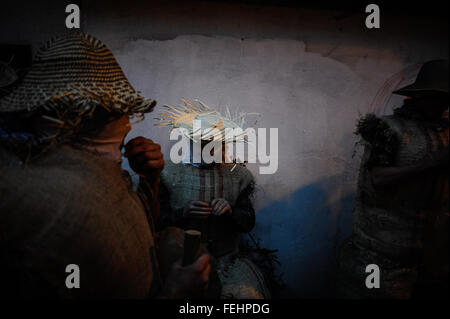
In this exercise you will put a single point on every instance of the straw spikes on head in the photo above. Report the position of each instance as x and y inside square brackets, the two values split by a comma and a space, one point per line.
[183, 115]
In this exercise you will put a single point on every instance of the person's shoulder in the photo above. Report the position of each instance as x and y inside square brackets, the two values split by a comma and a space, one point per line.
[169, 165]
[74, 161]
[170, 170]
[65, 170]
[244, 171]
[240, 171]
[372, 128]
[56, 178]
[381, 137]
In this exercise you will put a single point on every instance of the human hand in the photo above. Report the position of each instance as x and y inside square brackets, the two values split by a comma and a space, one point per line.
[145, 158]
[197, 210]
[220, 206]
[188, 281]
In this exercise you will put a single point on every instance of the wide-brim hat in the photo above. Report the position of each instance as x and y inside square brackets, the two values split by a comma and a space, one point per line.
[74, 73]
[213, 124]
[432, 78]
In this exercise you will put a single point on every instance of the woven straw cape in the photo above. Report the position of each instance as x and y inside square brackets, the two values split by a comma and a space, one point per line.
[73, 74]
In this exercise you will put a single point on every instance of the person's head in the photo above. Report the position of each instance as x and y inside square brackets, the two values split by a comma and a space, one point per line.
[429, 93]
[105, 134]
[104, 124]
[430, 104]
[202, 124]
[215, 144]
[206, 145]
[74, 90]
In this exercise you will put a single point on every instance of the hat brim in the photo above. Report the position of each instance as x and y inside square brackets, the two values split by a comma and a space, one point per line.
[80, 98]
[414, 89]
[75, 72]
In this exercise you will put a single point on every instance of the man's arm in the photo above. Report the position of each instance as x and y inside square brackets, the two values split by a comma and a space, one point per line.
[146, 159]
[188, 281]
[385, 176]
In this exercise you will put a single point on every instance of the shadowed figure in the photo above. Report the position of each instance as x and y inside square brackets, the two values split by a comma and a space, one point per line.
[216, 200]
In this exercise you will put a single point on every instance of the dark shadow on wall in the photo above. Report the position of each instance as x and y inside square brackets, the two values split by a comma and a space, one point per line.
[307, 230]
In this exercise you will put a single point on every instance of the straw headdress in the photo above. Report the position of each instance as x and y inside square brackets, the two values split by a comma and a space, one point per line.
[73, 74]
[212, 123]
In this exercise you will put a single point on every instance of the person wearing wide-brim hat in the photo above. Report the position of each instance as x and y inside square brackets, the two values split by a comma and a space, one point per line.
[72, 78]
[402, 205]
[215, 196]
[65, 199]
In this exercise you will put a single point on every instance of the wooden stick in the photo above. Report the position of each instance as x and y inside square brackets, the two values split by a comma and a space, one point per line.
[191, 246]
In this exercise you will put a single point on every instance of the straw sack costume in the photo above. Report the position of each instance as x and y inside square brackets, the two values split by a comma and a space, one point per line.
[390, 223]
[62, 201]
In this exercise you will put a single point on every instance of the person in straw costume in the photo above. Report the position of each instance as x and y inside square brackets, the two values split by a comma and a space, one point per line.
[401, 215]
[65, 198]
[213, 198]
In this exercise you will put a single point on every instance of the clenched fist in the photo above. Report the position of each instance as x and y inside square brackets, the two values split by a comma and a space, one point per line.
[145, 158]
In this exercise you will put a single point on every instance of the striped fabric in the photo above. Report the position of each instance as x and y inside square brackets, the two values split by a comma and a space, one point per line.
[75, 71]
[240, 278]
[181, 184]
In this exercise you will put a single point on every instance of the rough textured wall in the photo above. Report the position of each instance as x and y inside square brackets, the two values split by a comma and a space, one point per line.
[309, 73]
